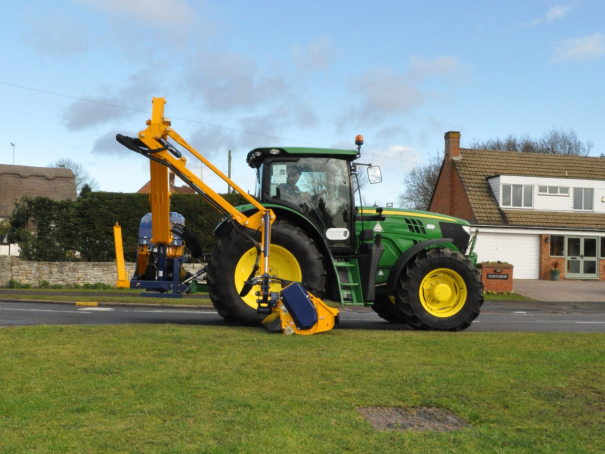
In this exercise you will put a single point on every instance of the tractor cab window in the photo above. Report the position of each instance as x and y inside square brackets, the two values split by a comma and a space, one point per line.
[258, 185]
[321, 188]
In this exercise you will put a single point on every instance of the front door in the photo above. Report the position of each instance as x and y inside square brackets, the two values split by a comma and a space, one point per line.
[581, 258]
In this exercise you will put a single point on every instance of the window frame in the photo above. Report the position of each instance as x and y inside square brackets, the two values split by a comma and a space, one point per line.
[558, 194]
[523, 193]
[583, 199]
[550, 246]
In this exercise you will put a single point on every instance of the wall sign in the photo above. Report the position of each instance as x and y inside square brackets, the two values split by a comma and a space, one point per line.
[497, 276]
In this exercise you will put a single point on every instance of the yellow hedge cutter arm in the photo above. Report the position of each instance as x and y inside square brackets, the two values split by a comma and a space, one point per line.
[291, 310]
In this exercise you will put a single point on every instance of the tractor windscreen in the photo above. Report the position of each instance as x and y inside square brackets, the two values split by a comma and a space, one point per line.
[320, 187]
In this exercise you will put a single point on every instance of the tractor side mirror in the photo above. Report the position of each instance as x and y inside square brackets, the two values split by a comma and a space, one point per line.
[374, 175]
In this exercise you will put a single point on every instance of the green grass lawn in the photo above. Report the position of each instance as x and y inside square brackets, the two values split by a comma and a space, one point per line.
[217, 389]
[509, 297]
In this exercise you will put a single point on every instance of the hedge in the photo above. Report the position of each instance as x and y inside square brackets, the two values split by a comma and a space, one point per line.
[82, 230]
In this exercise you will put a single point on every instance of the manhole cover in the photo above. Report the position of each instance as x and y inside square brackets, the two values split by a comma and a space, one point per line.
[417, 419]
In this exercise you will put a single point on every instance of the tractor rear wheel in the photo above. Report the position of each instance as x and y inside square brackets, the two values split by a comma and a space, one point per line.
[293, 256]
[441, 290]
[388, 310]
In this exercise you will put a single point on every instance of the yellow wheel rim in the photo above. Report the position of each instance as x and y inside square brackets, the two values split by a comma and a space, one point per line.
[443, 292]
[282, 264]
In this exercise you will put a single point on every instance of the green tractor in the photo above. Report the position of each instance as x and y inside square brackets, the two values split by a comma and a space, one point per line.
[409, 266]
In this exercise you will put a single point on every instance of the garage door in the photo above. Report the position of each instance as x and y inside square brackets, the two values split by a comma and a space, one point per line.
[522, 251]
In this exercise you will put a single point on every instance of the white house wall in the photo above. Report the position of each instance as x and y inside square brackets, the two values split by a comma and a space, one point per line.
[543, 202]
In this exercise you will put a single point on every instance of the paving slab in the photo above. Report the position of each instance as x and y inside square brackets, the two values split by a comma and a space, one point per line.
[561, 291]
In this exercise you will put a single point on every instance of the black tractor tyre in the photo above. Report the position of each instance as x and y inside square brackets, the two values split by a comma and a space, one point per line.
[388, 310]
[230, 249]
[408, 290]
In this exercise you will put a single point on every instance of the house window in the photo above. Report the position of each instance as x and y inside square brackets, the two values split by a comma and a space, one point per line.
[553, 190]
[582, 199]
[557, 243]
[517, 195]
[603, 247]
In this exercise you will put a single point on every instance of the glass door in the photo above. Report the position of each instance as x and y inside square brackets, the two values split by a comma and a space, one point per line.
[581, 258]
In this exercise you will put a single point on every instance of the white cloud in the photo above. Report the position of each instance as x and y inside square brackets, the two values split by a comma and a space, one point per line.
[165, 12]
[82, 114]
[554, 13]
[557, 12]
[384, 92]
[389, 132]
[420, 68]
[213, 142]
[580, 49]
[145, 27]
[317, 56]
[57, 35]
[228, 81]
[107, 144]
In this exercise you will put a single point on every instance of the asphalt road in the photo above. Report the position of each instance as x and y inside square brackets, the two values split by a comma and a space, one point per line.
[496, 317]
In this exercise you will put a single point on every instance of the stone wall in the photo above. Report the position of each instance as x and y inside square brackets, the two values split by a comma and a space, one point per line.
[64, 273]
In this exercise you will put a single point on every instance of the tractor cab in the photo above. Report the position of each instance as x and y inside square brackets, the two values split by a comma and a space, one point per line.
[317, 183]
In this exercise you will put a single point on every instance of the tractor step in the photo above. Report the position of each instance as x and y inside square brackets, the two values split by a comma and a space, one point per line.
[351, 293]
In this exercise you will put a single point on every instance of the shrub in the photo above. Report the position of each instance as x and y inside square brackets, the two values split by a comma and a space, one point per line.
[14, 284]
[57, 286]
[86, 225]
[26, 286]
[87, 286]
[77, 286]
[44, 284]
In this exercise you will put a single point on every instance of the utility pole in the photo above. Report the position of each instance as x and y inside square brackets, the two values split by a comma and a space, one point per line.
[229, 173]
[13, 152]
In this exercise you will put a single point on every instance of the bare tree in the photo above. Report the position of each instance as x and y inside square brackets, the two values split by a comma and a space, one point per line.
[554, 141]
[419, 184]
[83, 178]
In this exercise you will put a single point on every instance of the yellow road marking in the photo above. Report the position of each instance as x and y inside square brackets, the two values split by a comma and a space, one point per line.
[79, 303]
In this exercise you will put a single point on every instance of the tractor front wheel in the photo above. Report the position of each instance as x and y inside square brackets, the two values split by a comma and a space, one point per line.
[293, 256]
[440, 289]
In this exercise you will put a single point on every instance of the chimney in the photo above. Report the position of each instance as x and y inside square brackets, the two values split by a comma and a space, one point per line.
[452, 145]
[172, 176]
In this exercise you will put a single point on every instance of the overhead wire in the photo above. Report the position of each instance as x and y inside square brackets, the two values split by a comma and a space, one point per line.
[117, 106]
[144, 111]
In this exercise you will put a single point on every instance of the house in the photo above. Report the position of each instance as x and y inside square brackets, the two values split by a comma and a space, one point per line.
[19, 181]
[146, 189]
[531, 209]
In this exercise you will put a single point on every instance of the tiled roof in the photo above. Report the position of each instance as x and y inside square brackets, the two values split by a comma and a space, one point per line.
[476, 166]
[19, 181]
[49, 173]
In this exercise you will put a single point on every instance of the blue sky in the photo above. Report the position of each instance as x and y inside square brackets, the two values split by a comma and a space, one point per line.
[242, 74]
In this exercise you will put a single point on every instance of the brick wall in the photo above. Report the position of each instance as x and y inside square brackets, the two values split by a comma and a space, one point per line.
[449, 196]
[497, 285]
[64, 273]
